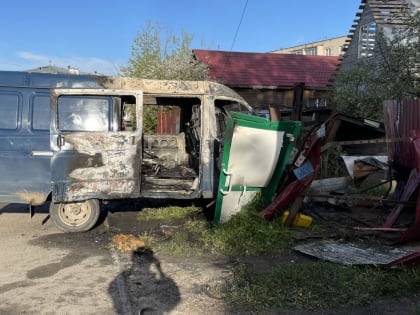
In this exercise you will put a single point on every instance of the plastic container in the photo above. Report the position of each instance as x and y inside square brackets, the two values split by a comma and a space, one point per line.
[301, 220]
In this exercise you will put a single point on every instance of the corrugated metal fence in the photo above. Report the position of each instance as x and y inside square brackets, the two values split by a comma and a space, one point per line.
[402, 119]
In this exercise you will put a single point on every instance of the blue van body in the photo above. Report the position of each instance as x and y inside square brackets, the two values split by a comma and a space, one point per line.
[62, 137]
[80, 139]
[25, 116]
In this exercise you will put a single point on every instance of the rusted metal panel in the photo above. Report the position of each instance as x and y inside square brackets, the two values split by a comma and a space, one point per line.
[409, 189]
[168, 122]
[401, 119]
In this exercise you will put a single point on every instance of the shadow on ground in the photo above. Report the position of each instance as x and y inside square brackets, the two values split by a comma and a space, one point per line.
[144, 288]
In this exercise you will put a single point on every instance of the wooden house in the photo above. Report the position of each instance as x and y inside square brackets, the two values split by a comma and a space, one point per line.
[271, 79]
[375, 22]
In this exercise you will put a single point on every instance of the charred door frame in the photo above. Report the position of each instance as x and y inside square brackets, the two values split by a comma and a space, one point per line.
[95, 164]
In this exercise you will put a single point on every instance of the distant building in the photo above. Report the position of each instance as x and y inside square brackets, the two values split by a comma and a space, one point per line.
[376, 18]
[327, 47]
[56, 70]
[269, 79]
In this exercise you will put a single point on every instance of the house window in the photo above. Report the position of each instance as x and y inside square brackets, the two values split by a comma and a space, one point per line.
[312, 51]
[9, 110]
[328, 52]
[316, 103]
[367, 40]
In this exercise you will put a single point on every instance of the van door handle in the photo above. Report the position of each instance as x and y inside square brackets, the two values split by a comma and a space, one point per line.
[42, 153]
[61, 141]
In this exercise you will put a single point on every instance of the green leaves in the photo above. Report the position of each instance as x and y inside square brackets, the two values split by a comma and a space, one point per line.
[391, 74]
[159, 55]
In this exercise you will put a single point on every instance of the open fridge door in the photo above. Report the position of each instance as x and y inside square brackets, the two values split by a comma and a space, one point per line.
[255, 154]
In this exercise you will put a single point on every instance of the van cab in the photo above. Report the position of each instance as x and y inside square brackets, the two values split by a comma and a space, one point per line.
[78, 140]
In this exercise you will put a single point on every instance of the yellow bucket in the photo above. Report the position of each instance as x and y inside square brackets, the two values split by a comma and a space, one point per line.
[301, 220]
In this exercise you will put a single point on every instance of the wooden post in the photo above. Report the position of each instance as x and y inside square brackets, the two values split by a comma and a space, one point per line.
[294, 210]
[297, 102]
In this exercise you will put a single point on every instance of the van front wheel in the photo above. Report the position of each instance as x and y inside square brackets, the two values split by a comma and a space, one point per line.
[75, 216]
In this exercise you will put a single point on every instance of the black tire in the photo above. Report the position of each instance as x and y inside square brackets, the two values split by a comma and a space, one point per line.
[75, 216]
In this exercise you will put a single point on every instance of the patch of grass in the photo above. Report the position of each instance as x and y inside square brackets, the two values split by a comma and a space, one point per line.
[316, 285]
[188, 240]
[147, 239]
[166, 213]
[246, 233]
[304, 285]
[370, 189]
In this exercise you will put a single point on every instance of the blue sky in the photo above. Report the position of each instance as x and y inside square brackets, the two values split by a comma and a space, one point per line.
[97, 35]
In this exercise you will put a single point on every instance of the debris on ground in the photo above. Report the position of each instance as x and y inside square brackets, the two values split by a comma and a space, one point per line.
[354, 253]
[127, 243]
[382, 163]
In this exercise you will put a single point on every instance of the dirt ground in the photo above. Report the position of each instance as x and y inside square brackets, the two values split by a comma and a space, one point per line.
[47, 272]
[178, 285]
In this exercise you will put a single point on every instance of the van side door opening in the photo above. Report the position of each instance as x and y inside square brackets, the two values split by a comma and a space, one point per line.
[171, 147]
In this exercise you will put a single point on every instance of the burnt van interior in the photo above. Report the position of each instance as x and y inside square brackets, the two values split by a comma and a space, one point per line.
[171, 144]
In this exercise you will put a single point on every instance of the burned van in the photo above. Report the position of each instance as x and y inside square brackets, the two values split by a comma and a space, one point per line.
[79, 140]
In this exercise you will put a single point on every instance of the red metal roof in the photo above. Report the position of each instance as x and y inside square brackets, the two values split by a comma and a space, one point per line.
[268, 69]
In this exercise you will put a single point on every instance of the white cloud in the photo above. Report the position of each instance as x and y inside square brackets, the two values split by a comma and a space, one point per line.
[84, 64]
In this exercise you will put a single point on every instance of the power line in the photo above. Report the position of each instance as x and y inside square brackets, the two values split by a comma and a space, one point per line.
[237, 30]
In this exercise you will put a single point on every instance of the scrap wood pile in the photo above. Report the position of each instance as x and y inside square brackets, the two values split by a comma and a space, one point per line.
[297, 179]
[301, 175]
[402, 168]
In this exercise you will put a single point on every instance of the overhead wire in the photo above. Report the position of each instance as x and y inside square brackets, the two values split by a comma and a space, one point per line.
[239, 25]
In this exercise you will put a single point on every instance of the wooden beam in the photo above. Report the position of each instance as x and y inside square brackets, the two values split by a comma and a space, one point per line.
[368, 141]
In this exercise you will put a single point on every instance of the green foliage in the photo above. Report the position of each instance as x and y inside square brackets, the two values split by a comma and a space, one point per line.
[167, 213]
[283, 284]
[332, 164]
[155, 55]
[246, 233]
[393, 73]
[356, 91]
[150, 113]
[400, 66]
[316, 285]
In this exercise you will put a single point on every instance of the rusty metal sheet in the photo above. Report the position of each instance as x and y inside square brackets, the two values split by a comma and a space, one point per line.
[168, 122]
[401, 118]
[409, 189]
[354, 253]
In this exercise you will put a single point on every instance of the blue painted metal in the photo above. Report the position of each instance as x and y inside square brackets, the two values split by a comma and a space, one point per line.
[48, 80]
[39, 156]
[25, 151]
